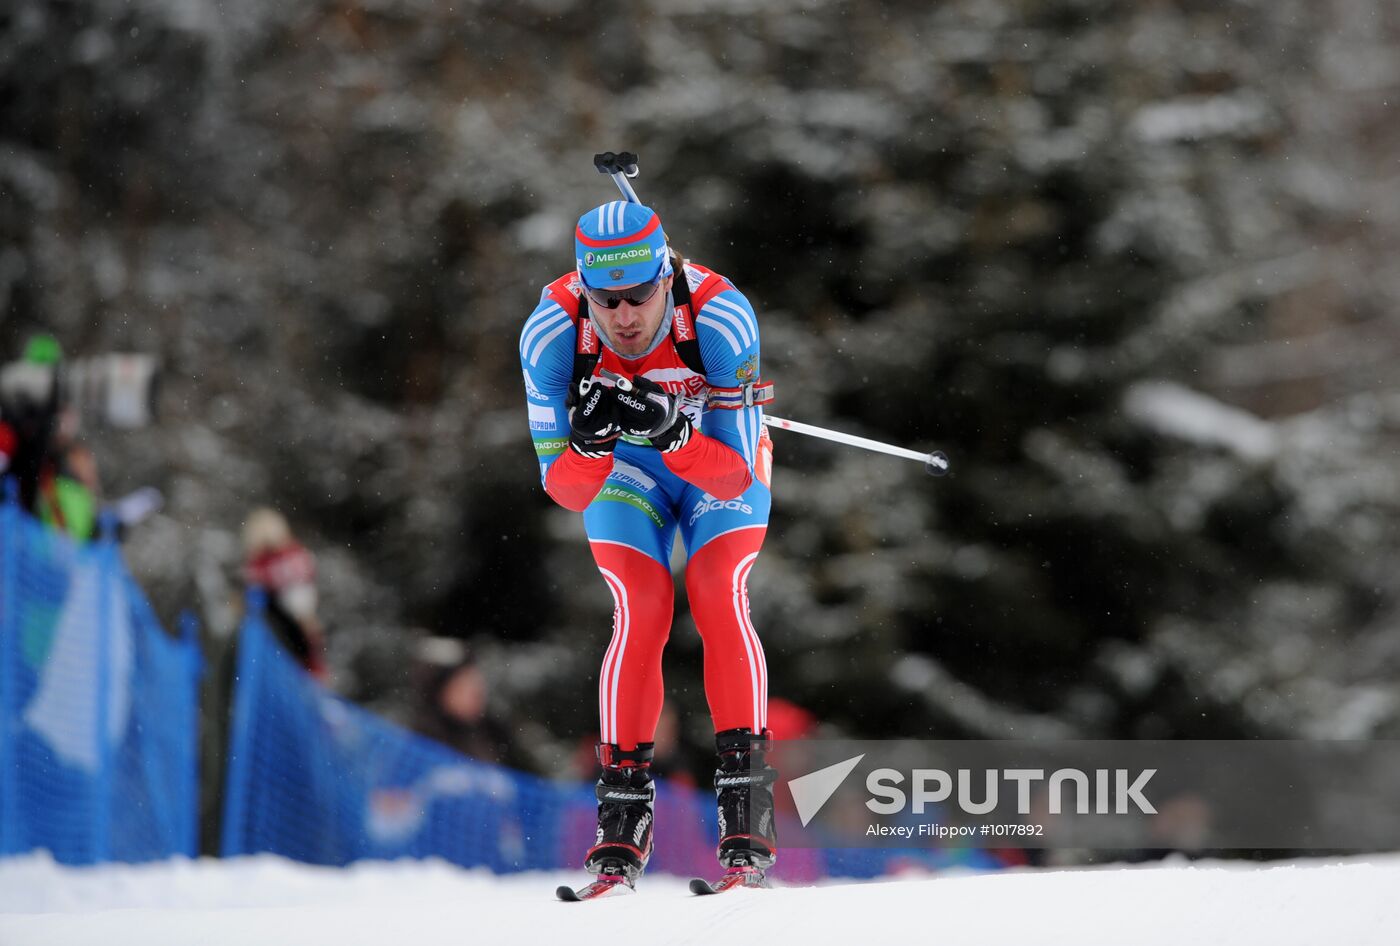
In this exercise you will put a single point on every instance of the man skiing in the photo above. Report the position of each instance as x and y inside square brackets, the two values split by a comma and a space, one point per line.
[644, 396]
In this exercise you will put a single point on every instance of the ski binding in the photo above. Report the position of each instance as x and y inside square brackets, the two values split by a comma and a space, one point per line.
[613, 881]
[743, 875]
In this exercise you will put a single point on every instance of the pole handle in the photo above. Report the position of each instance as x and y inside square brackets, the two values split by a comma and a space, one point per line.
[624, 162]
[620, 166]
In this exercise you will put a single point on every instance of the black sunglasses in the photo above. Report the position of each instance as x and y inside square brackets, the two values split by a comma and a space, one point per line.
[632, 295]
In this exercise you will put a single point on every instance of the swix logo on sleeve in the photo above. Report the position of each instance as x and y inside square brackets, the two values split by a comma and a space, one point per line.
[681, 316]
[588, 338]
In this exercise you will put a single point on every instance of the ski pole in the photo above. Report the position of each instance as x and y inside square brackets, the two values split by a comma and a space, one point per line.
[935, 463]
[622, 165]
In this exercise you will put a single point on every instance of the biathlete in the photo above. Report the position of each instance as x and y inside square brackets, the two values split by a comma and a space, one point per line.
[642, 379]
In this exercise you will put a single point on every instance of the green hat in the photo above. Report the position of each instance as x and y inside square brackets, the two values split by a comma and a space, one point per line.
[43, 350]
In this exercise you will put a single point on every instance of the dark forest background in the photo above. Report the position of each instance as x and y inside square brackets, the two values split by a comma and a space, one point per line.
[1130, 264]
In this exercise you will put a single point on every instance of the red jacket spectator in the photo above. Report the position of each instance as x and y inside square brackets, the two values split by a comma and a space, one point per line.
[286, 570]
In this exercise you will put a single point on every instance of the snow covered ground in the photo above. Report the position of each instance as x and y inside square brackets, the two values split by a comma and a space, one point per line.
[263, 901]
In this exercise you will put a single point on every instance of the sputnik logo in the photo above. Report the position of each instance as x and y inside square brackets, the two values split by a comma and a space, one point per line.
[813, 790]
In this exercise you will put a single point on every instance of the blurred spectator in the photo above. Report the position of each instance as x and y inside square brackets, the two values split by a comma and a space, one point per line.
[675, 758]
[284, 568]
[787, 720]
[457, 709]
[57, 476]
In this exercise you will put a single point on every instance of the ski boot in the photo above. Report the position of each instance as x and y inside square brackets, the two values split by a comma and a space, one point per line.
[748, 843]
[625, 799]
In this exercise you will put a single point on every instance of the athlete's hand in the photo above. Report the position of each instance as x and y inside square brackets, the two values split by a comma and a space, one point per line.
[645, 409]
[593, 421]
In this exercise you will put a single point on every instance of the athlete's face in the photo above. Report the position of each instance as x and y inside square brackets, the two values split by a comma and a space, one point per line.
[630, 328]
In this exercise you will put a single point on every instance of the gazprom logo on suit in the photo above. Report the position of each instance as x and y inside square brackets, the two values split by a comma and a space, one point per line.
[541, 416]
[626, 473]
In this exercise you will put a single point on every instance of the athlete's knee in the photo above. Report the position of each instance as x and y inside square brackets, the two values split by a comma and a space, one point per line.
[641, 587]
[631, 565]
[716, 577]
[718, 557]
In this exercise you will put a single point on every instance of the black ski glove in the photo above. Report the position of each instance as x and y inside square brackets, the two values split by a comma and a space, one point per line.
[593, 426]
[644, 409]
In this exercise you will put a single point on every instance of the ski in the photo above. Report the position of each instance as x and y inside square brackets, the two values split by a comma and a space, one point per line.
[607, 885]
[742, 876]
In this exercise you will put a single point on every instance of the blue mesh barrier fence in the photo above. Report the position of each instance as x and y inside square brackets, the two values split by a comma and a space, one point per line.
[315, 778]
[98, 705]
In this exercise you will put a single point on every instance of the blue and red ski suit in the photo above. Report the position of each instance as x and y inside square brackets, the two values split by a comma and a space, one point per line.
[714, 491]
